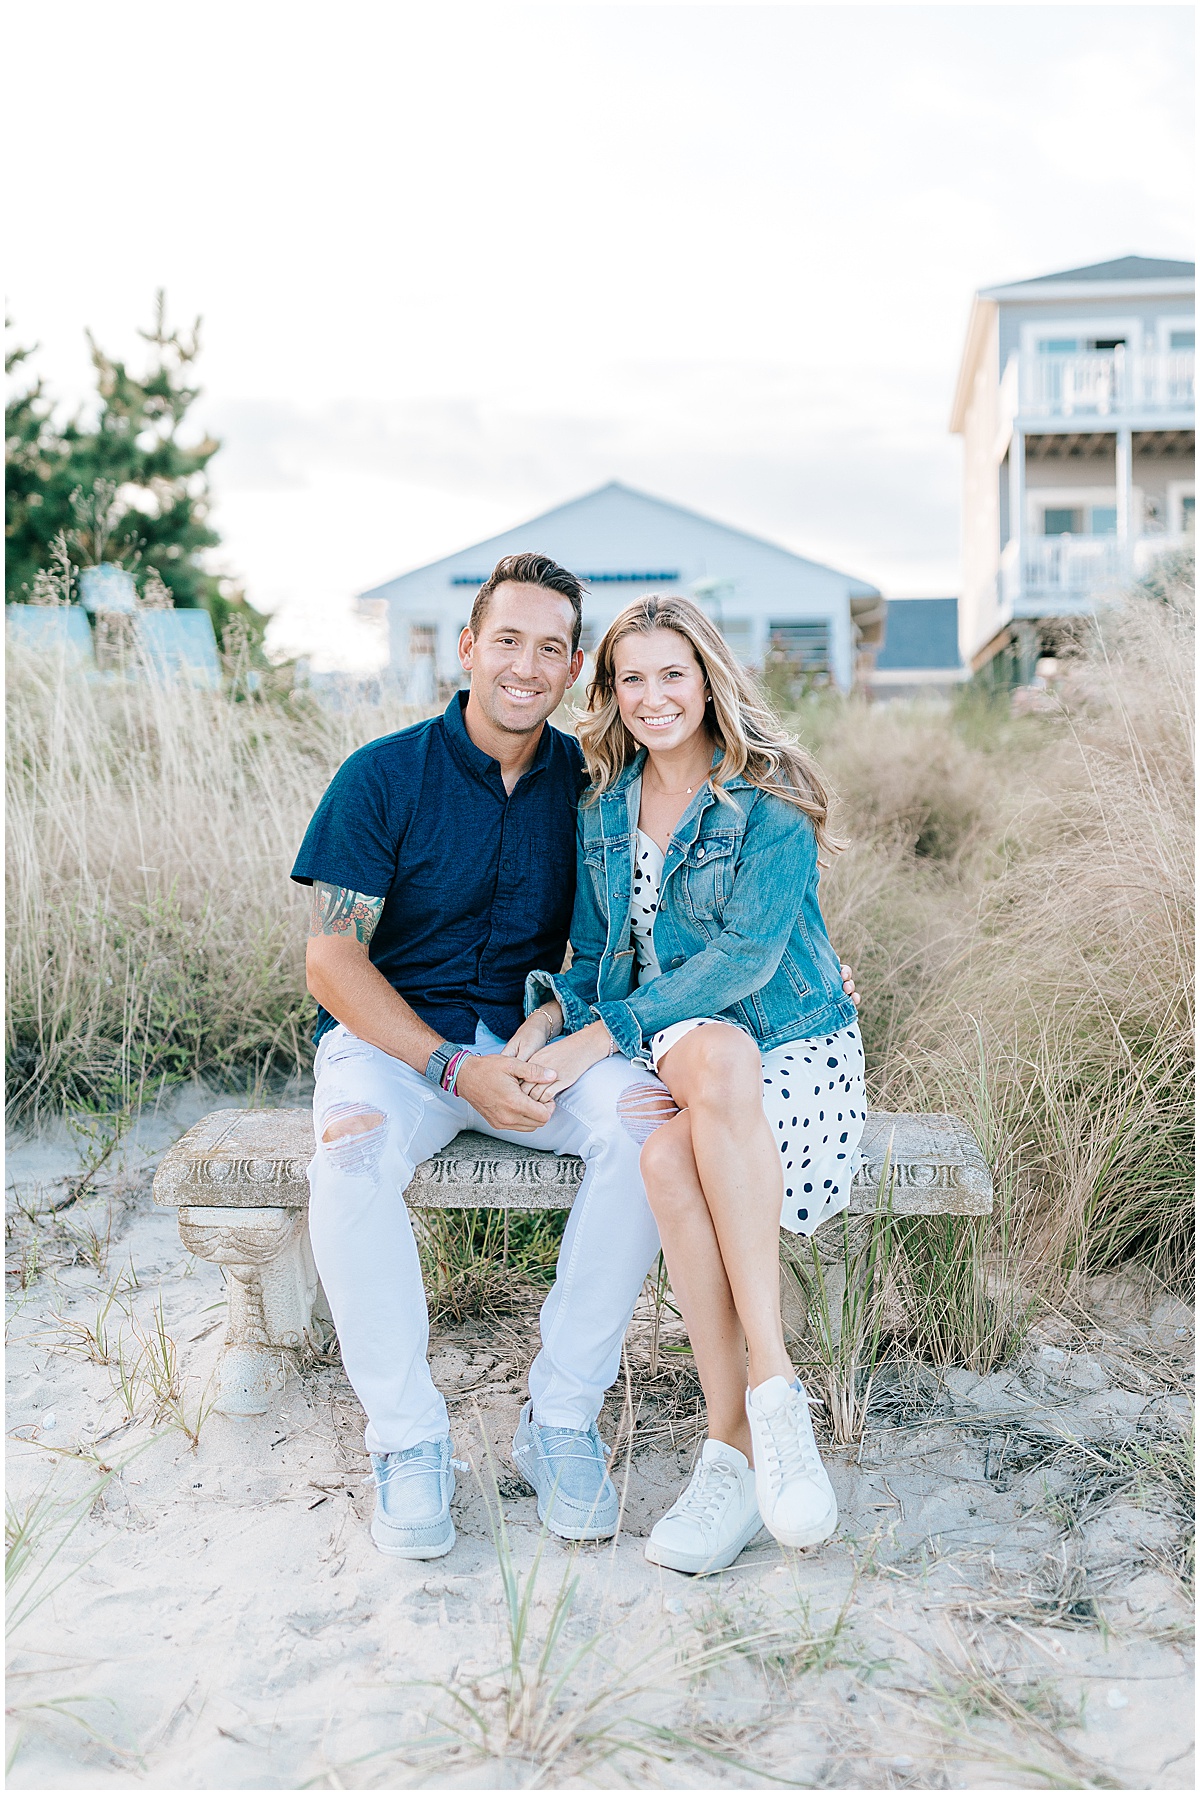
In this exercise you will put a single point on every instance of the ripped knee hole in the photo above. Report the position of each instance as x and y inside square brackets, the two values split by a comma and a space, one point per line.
[353, 1134]
[643, 1108]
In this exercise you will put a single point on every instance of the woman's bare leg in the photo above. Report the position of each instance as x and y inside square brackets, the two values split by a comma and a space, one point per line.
[715, 1074]
[698, 1279]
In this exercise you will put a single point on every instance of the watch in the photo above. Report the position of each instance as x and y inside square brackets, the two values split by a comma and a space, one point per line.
[439, 1059]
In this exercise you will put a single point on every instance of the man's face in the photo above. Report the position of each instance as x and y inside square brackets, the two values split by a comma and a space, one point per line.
[521, 663]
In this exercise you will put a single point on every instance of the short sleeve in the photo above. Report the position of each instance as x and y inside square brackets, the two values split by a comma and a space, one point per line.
[354, 837]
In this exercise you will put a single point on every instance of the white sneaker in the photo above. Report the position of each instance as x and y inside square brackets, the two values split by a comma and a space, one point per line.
[795, 1496]
[715, 1518]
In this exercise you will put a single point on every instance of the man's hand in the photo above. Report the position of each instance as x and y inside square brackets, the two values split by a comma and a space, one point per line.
[848, 986]
[497, 1086]
[537, 1031]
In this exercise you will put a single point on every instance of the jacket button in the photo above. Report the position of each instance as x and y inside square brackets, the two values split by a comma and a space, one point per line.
[699, 853]
[678, 960]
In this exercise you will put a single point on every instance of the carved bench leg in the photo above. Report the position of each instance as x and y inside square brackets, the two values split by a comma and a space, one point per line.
[804, 1292]
[271, 1286]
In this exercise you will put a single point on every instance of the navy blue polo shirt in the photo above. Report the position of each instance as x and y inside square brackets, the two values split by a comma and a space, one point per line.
[477, 883]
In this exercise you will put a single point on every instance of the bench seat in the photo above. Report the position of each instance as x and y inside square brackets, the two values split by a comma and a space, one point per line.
[238, 1180]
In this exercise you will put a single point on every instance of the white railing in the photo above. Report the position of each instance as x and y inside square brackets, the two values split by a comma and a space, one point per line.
[1146, 550]
[1073, 569]
[1108, 383]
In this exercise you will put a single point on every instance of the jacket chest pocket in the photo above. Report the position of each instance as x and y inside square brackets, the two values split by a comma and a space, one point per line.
[593, 860]
[606, 863]
[707, 877]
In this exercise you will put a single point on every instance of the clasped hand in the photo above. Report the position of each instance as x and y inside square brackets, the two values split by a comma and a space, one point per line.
[540, 1043]
[565, 1059]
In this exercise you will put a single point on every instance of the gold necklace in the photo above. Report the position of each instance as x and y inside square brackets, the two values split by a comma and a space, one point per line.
[685, 792]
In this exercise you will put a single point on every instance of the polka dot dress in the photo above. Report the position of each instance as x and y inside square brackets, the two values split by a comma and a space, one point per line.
[647, 880]
[814, 1094]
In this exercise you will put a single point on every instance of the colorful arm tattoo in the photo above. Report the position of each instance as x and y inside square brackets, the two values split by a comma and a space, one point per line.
[338, 911]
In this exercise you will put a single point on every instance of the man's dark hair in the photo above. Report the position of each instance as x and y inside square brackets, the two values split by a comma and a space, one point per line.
[531, 570]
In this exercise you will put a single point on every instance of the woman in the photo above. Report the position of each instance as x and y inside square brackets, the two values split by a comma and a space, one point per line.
[699, 951]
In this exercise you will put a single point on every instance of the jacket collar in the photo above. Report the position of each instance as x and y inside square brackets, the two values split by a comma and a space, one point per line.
[628, 774]
[624, 794]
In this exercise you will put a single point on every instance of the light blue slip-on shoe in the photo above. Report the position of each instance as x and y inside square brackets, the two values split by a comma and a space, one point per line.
[565, 1468]
[412, 1500]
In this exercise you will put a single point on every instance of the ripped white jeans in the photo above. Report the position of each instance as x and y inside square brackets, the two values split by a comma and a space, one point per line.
[363, 1241]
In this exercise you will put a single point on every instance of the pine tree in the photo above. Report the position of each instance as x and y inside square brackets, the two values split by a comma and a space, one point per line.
[126, 489]
[38, 480]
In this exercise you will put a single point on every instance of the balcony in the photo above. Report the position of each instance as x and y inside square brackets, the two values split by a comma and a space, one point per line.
[1061, 575]
[1109, 384]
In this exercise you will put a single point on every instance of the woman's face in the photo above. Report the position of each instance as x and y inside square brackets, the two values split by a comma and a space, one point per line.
[660, 689]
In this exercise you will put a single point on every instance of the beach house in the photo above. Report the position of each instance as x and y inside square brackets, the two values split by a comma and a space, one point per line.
[767, 601]
[1076, 405]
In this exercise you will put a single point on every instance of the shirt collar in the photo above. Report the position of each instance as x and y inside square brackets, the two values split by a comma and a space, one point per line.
[474, 760]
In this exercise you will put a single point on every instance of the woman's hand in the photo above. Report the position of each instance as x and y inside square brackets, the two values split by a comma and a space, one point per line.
[848, 986]
[537, 1031]
[570, 1058]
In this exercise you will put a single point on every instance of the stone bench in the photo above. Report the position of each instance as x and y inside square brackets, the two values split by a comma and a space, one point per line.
[238, 1180]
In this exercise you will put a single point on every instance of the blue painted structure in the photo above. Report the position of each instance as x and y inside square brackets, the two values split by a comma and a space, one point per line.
[920, 633]
[180, 643]
[50, 629]
[920, 653]
[175, 644]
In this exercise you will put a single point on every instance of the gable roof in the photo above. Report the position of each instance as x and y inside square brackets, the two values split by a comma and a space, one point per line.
[1122, 268]
[589, 521]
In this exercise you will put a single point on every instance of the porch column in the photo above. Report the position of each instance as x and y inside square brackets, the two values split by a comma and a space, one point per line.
[1016, 508]
[1125, 492]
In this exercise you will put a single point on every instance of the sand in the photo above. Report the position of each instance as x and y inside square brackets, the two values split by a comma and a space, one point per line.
[1006, 1603]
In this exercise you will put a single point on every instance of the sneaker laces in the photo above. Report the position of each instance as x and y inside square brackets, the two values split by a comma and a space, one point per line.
[560, 1444]
[708, 1491]
[790, 1443]
[397, 1466]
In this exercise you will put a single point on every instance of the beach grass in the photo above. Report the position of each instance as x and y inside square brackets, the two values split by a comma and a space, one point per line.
[1015, 897]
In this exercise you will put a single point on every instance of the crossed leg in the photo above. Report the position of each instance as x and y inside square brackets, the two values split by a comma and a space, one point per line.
[715, 1185]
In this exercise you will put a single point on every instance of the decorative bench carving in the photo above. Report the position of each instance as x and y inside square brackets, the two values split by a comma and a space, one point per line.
[239, 1181]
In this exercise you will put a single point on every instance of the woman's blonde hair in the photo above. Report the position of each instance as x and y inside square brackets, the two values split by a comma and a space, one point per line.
[754, 744]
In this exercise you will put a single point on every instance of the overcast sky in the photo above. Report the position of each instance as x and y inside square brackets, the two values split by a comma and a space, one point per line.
[457, 264]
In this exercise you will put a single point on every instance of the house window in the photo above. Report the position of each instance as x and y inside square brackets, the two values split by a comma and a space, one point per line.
[1183, 339]
[1187, 512]
[1059, 520]
[805, 646]
[422, 641]
[587, 637]
[1058, 345]
[1106, 345]
[1104, 520]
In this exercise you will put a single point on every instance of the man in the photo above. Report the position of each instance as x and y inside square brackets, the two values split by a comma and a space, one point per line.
[442, 864]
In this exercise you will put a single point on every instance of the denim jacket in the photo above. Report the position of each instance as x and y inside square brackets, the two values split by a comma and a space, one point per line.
[738, 932]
